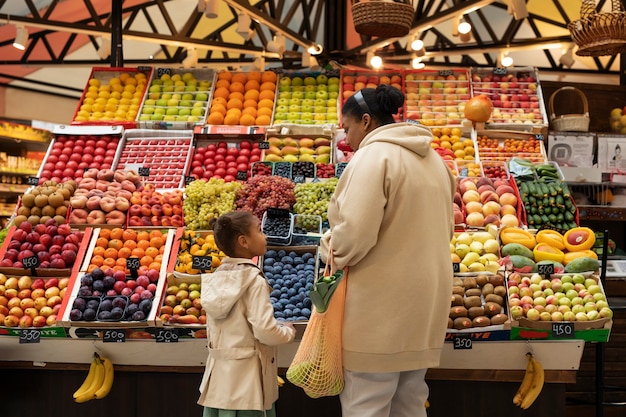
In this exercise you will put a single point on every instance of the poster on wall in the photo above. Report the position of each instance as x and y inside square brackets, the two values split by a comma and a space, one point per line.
[570, 149]
[612, 152]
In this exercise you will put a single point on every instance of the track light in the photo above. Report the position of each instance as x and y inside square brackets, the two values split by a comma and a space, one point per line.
[259, 63]
[201, 6]
[416, 63]
[277, 44]
[315, 49]
[192, 58]
[373, 60]
[21, 37]
[464, 28]
[211, 9]
[567, 59]
[309, 61]
[104, 50]
[504, 60]
[417, 44]
[243, 26]
[518, 9]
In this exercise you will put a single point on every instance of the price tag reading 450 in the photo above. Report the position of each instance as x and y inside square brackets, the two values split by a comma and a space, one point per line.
[563, 330]
[202, 263]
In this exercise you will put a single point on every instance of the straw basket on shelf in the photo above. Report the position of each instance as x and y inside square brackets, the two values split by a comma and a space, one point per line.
[383, 18]
[569, 122]
[599, 34]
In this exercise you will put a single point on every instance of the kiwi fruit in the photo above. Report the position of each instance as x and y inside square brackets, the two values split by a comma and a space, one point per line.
[450, 323]
[41, 200]
[35, 211]
[469, 282]
[499, 318]
[481, 321]
[19, 219]
[473, 301]
[475, 312]
[494, 298]
[458, 290]
[457, 300]
[482, 279]
[457, 282]
[458, 311]
[34, 220]
[61, 211]
[491, 309]
[487, 289]
[461, 323]
[496, 280]
[473, 292]
[59, 219]
[500, 290]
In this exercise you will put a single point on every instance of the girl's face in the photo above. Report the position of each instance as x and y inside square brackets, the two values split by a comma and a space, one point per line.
[254, 243]
[356, 129]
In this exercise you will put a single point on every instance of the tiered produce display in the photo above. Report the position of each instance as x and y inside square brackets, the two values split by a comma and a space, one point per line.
[309, 98]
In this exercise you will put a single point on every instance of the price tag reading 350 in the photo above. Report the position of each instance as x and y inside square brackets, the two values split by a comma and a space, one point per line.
[202, 263]
[30, 336]
[462, 341]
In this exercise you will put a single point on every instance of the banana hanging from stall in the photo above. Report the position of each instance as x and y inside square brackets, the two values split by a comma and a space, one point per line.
[107, 382]
[281, 381]
[531, 385]
[94, 380]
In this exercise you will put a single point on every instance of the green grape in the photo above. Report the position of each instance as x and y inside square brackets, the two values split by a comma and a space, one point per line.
[205, 200]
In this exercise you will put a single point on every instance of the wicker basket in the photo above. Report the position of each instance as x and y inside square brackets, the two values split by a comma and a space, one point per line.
[569, 122]
[383, 18]
[599, 34]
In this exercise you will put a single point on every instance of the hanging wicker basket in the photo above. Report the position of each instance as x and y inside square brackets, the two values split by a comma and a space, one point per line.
[599, 34]
[382, 18]
[569, 122]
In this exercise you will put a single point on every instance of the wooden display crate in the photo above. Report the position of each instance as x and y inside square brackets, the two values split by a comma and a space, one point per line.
[494, 145]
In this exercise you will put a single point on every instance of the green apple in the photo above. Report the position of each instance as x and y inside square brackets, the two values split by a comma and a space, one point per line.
[284, 94]
[187, 96]
[280, 116]
[293, 116]
[319, 109]
[282, 102]
[321, 94]
[321, 79]
[297, 88]
[295, 101]
[319, 116]
[172, 102]
[310, 95]
[177, 96]
[295, 81]
[156, 81]
[309, 81]
[297, 94]
[331, 102]
[284, 88]
[147, 110]
[333, 81]
[185, 103]
[333, 94]
[310, 87]
[284, 81]
[197, 111]
[155, 89]
[191, 88]
[161, 102]
[193, 119]
[294, 108]
[181, 118]
[322, 87]
[171, 111]
[166, 96]
[169, 118]
[202, 97]
[333, 88]
[332, 115]
[150, 102]
[184, 112]
[156, 117]
[154, 96]
[144, 117]
[320, 102]
[159, 110]
[199, 104]
[282, 108]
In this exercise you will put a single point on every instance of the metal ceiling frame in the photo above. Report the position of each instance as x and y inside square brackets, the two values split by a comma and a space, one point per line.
[270, 17]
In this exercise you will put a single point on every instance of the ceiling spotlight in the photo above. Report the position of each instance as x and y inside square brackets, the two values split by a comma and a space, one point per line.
[567, 59]
[374, 61]
[315, 49]
[192, 58]
[277, 44]
[309, 61]
[243, 26]
[211, 9]
[201, 6]
[416, 63]
[104, 50]
[417, 44]
[464, 28]
[259, 63]
[21, 37]
[518, 9]
[504, 60]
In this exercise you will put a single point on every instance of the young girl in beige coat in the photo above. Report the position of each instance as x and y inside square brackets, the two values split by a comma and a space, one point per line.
[240, 374]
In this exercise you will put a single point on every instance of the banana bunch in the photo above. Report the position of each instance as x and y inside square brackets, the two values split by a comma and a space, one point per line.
[281, 381]
[98, 382]
[531, 385]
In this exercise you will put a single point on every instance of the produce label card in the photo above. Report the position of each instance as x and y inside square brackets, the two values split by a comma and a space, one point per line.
[571, 149]
[612, 152]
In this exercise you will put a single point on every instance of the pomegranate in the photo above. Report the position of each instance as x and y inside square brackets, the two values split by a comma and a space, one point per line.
[478, 108]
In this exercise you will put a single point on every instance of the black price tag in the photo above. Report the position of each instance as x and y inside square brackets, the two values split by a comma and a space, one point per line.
[563, 330]
[242, 175]
[133, 265]
[277, 213]
[166, 336]
[189, 179]
[339, 168]
[463, 172]
[500, 71]
[202, 263]
[539, 137]
[462, 341]
[162, 71]
[264, 145]
[145, 68]
[143, 171]
[298, 179]
[30, 336]
[456, 267]
[32, 180]
[547, 270]
[445, 73]
[30, 262]
[113, 336]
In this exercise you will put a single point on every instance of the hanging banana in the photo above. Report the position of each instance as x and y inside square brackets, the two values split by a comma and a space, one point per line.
[95, 378]
[281, 381]
[107, 382]
[531, 385]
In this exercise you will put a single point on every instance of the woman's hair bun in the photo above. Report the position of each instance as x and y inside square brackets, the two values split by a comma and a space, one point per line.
[389, 99]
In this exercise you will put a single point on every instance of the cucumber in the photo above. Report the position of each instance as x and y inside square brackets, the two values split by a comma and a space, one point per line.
[517, 249]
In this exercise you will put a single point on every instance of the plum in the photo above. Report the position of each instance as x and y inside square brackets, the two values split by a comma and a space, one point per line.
[76, 314]
[93, 303]
[97, 273]
[116, 313]
[80, 304]
[106, 304]
[131, 309]
[86, 280]
[138, 316]
[108, 282]
[84, 291]
[145, 306]
[104, 315]
[98, 286]
[89, 314]
[119, 302]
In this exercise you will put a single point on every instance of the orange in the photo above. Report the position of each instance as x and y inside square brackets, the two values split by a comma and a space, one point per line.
[130, 244]
[157, 242]
[268, 76]
[251, 85]
[159, 257]
[146, 260]
[222, 83]
[143, 244]
[124, 252]
[264, 111]
[236, 95]
[97, 260]
[121, 262]
[237, 87]
[129, 234]
[266, 103]
[143, 235]
[116, 244]
[239, 78]
[268, 86]
[109, 262]
[110, 253]
[105, 233]
[155, 233]
[218, 108]
[215, 118]
[137, 253]
[152, 251]
[219, 100]
[91, 267]
[222, 92]
[251, 95]
[250, 111]
[247, 120]
[263, 120]
[254, 75]
[121, 268]
[155, 265]
[225, 75]
[98, 251]
[116, 233]
[231, 119]
[162, 250]
[267, 94]
[250, 103]
[102, 242]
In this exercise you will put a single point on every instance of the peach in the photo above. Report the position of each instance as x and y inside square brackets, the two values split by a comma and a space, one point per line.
[474, 207]
[470, 195]
[492, 219]
[491, 207]
[504, 188]
[508, 199]
[507, 209]
[489, 196]
[509, 220]
[475, 219]
[467, 184]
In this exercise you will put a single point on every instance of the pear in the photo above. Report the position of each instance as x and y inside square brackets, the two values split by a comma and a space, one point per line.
[322, 159]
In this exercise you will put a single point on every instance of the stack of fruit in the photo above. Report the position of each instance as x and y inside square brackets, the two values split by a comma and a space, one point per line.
[486, 201]
[477, 302]
[71, 154]
[307, 98]
[103, 197]
[207, 199]
[112, 96]
[436, 98]
[451, 145]
[192, 244]
[313, 198]
[504, 146]
[181, 304]
[618, 120]
[262, 192]
[162, 161]
[475, 251]
[224, 159]
[298, 149]
[177, 96]
[150, 207]
[243, 99]
[353, 81]
[44, 202]
[570, 297]
[31, 302]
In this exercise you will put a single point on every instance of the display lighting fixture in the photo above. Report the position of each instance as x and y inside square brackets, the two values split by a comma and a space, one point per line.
[567, 59]
[104, 50]
[504, 60]
[259, 63]
[309, 61]
[518, 9]
[191, 60]
[417, 45]
[212, 9]
[243, 26]
[277, 44]
[201, 6]
[374, 60]
[416, 63]
[21, 37]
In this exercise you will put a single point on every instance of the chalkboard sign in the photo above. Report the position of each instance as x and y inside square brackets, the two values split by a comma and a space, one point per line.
[166, 336]
[30, 262]
[113, 336]
[456, 267]
[445, 73]
[32, 180]
[189, 179]
[298, 179]
[545, 269]
[563, 330]
[132, 263]
[339, 168]
[242, 175]
[462, 341]
[539, 137]
[162, 71]
[30, 336]
[277, 213]
[143, 171]
[202, 263]
[264, 145]
[500, 71]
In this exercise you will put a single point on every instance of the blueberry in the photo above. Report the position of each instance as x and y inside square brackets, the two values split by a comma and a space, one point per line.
[300, 267]
[306, 256]
[287, 312]
[273, 300]
[309, 285]
[306, 312]
[279, 315]
[301, 296]
[302, 281]
[293, 254]
[271, 254]
[307, 303]
[290, 306]
[267, 268]
[269, 261]
[297, 260]
[310, 261]
[296, 311]
[269, 276]
[286, 260]
[292, 291]
[302, 290]
[276, 286]
[283, 302]
[279, 264]
[275, 293]
[300, 305]
[283, 297]
[280, 281]
[276, 270]
[281, 253]
[277, 306]
[297, 286]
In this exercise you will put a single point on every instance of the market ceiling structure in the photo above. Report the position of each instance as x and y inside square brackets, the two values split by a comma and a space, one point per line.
[66, 38]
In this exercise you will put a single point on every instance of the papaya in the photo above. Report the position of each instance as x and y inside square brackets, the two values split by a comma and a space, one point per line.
[516, 249]
[551, 237]
[515, 235]
[582, 264]
[570, 256]
[544, 251]
[579, 238]
[519, 261]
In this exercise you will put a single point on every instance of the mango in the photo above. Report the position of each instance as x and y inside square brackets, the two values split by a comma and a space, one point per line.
[290, 150]
[322, 142]
[273, 150]
[290, 142]
[306, 158]
[322, 159]
[275, 142]
[306, 143]
[290, 158]
[517, 249]
[583, 264]
[307, 151]
[520, 261]
[322, 150]
[273, 158]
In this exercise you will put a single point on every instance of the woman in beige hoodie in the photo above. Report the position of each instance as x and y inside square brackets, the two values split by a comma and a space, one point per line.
[391, 223]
